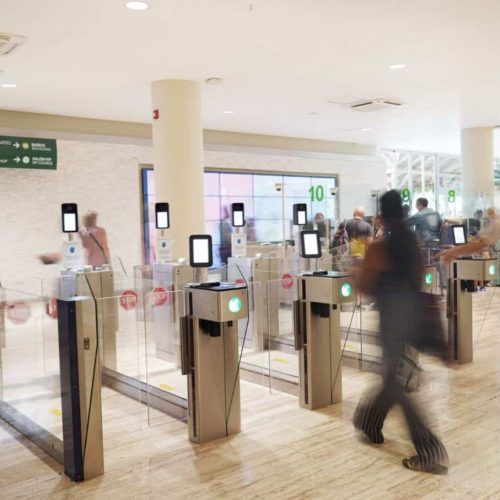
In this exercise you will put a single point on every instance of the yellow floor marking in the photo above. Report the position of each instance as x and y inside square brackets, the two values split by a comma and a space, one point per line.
[282, 360]
[167, 387]
[55, 411]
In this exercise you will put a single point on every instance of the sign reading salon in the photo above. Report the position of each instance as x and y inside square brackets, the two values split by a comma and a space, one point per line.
[28, 152]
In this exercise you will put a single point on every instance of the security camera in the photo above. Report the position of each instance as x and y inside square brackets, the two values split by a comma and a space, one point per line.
[334, 191]
[278, 186]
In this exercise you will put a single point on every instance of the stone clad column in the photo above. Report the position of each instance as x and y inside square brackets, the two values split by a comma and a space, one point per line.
[478, 180]
[178, 158]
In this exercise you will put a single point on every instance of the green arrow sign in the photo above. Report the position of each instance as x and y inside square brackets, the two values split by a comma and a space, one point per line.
[28, 152]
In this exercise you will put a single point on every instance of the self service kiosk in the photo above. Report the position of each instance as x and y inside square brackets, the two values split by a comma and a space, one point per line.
[317, 329]
[210, 357]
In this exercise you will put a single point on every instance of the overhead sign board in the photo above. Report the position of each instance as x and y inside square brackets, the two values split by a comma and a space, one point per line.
[28, 152]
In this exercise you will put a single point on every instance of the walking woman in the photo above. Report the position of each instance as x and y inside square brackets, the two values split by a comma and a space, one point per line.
[392, 273]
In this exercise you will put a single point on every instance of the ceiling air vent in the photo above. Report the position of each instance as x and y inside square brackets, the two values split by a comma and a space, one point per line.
[9, 43]
[368, 105]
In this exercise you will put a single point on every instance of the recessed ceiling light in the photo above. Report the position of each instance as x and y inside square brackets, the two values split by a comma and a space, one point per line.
[397, 66]
[213, 80]
[137, 5]
[9, 85]
[365, 129]
[228, 112]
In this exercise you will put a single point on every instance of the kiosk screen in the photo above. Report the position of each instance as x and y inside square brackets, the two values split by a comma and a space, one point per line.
[69, 217]
[310, 243]
[459, 236]
[299, 214]
[200, 250]
[238, 214]
[162, 217]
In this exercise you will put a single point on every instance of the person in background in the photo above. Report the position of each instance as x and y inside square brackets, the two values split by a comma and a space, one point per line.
[359, 233]
[427, 222]
[378, 228]
[94, 240]
[392, 272]
[486, 240]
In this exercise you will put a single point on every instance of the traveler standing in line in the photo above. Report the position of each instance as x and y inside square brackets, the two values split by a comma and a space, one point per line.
[392, 272]
[359, 233]
[485, 241]
[94, 240]
[427, 222]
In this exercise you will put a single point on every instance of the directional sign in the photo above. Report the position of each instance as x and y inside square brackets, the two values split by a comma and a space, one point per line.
[28, 152]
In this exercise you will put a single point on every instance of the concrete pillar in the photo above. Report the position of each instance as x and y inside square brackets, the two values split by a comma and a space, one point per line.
[478, 182]
[178, 158]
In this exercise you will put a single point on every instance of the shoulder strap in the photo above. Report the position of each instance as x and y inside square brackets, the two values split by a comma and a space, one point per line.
[99, 245]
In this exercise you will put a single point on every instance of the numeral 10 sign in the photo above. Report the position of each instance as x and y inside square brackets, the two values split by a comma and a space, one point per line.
[317, 193]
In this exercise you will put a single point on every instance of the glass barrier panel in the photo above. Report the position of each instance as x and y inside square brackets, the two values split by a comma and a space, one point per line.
[30, 396]
[283, 359]
[163, 310]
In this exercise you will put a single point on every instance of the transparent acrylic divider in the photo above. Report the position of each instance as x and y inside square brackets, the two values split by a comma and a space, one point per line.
[283, 359]
[163, 310]
[30, 390]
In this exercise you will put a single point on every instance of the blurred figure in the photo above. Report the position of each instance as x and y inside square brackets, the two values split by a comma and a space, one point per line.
[427, 222]
[359, 233]
[392, 273]
[340, 238]
[378, 228]
[320, 222]
[94, 240]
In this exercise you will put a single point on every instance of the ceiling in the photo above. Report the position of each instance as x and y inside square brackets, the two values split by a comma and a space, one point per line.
[280, 60]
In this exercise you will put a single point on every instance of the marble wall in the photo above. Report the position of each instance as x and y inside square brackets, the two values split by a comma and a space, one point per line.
[105, 177]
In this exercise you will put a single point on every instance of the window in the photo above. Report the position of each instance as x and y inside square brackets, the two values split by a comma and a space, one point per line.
[427, 175]
[268, 200]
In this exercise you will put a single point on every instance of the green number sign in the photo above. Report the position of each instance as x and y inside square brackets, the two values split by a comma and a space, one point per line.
[317, 193]
[405, 194]
[451, 196]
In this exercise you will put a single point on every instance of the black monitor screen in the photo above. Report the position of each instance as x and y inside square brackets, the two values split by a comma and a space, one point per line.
[162, 216]
[200, 250]
[459, 235]
[310, 244]
[299, 214]
[69, 212]
[238, 214]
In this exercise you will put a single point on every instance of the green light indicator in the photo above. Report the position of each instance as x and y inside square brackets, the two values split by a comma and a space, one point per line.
[492, 269]
[429, 278]
[346, 290]
[234, 304]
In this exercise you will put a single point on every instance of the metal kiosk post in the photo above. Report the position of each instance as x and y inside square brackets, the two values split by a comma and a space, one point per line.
[209, 344]
[80, 372]
[463, 273]
[317, 329]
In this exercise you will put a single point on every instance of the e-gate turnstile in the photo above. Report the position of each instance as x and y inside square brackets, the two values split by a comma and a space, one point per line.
[80, 375]
[317, 333]
[463, 273]
[259, 270]
[101, 286]
[210, 358]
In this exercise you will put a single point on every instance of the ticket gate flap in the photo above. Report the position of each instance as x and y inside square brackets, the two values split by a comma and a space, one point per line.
[481, 269]
[221, 305]
[331, 288]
